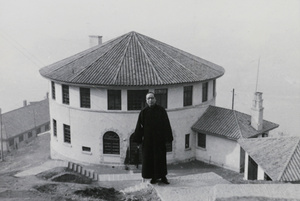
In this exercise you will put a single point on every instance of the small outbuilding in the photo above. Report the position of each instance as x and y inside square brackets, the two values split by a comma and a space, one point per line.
[22, 125]
[276, 159]
[218, 130]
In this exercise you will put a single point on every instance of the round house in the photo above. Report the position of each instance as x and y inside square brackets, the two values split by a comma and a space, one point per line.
[96, 96]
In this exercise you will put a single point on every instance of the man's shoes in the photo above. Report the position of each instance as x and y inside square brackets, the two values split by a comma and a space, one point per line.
[165, 180]
[153, 181]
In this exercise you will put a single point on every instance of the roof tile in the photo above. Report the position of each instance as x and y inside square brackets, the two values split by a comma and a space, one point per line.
[132, 60]
[229, 123]
[278, 157]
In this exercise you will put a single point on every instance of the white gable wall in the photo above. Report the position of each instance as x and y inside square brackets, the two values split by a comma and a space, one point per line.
[221, 152]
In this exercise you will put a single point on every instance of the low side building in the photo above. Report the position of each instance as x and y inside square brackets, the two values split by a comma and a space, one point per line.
[218, 130]
[21, 125]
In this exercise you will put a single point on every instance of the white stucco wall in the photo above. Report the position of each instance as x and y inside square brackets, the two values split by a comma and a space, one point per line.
[88, 125]
[221, 152]
[260, 173]
[246, 166]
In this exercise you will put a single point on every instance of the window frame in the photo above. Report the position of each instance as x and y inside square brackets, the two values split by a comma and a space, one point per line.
[161, 96]
[188, 95]
[65, 94]
[86, 149]
[214, 88]
[204, 91]
[53, 90]
[54, 123]
[187, 141]
[85, 97]
[111, 143]
[135, 97]
[114, 99]
[201, 142]
[67, 133]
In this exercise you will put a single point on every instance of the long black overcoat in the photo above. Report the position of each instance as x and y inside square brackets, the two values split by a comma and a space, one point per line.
[153, 131]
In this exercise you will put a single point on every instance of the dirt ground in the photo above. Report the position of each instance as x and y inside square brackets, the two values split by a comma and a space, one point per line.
[58, 183]
[61, 184]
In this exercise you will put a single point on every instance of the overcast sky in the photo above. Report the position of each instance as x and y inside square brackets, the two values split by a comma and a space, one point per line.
[230, 33]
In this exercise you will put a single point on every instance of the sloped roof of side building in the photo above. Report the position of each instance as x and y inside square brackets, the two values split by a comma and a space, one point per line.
[132, 59]
[229, 124]
[278, 157]
[26, 118]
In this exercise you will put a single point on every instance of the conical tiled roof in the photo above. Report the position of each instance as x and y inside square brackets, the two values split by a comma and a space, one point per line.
[132, 60]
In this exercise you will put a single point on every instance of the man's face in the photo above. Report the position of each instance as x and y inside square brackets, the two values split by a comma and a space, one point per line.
[150, 99]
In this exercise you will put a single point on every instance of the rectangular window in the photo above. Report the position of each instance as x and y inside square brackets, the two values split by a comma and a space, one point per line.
[54, 127]
[85, 99]
[114, 99]
[88, 149]
[65, 94]
[53, 90]
[204, 91]
[214, 88]
[67, 134]
[187, 95]
[38, 130]
[29, 134]
[136, 99]
[201, 140]
[187, 141]
[21, 138]
[11, 142]
[161, 96]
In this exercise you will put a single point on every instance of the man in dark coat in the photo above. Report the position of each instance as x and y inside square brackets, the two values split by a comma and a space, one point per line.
[153, 131]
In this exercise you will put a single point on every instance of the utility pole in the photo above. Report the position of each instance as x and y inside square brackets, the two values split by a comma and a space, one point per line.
[1, 135]
[233, 98]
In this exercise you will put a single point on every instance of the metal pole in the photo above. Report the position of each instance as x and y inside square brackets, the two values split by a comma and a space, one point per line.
[1, 135]
[257, 75]
[232, 99]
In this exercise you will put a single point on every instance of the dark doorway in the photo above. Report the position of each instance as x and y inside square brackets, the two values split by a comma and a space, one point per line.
[242, 160]
[135, 155]
[252, 169]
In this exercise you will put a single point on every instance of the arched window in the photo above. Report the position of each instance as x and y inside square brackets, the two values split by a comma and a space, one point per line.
[111, 143]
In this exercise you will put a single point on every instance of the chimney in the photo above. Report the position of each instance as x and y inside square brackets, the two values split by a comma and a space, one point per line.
[257, 111]
[95, 40]
[24, 103]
